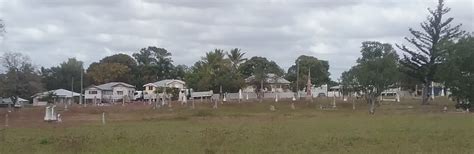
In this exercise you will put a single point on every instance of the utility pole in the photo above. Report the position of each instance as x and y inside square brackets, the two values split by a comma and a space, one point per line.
[82, 85]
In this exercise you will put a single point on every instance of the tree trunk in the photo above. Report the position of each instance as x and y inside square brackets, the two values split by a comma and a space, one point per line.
[425, 93]
[261, 91]
[371, 105]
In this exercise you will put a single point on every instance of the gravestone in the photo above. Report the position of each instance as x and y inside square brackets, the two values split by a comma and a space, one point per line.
[103, 118]
[276, 97]
[59, 118]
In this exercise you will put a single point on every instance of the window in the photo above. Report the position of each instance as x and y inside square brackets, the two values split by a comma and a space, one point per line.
[119, 92]
[150, 87]
[108, 92]
[92, 92]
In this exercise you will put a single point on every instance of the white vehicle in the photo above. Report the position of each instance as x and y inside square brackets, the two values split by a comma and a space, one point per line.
[138, 95]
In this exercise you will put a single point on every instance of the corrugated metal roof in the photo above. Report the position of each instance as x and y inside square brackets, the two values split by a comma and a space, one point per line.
[110, 85]
[59, 92]
[163, 83]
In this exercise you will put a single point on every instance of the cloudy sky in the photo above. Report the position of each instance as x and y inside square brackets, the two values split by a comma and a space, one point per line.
[50, 31]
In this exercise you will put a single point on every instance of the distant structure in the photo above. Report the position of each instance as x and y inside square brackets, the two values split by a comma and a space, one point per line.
[150, 88]
[20, 102]
[109, 92]
[60, 96]
[275, 84]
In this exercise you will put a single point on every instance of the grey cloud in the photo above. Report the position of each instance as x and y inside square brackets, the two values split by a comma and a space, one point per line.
[50, 31]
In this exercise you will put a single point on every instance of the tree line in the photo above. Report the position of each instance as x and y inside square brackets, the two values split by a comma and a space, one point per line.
[218, 70]
[439, 52]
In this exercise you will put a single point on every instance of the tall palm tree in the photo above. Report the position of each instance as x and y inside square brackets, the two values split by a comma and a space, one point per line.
[236, 57]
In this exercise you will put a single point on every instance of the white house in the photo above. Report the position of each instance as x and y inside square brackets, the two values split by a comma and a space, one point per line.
[150, 88]
[109, 92]
[60, 96]
[276, 84]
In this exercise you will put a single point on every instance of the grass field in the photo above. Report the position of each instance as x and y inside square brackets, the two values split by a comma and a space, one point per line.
[243, 128]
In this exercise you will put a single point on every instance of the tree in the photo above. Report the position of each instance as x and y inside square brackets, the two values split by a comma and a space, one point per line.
[458, 72]
[118, 67]
[153, 56]
[259, 67]
[120, 59]
[376, 71]
[153, 64]
[319, 71]
[213, 72]
[422, 62]
[236, 57]
[250, 67]
[21, 79]
[349, 82]
[62, 76]
[101, 73]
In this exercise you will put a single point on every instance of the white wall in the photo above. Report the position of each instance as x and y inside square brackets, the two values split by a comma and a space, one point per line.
[92, 96]
[127, 92]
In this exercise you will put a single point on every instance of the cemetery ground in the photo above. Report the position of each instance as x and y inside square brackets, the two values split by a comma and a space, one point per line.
[248, 127]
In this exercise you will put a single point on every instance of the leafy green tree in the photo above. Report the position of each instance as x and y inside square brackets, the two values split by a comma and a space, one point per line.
[458, 71]
[62, 76]
[319, 71]
[21, 79]
[260, 68]
[376, 71]
[422, 61]
[349, 82]
[236, 57]
[179, 71]
[120, 58]
[101, 73]
[213, 72]
[250, 67]
[154, 64]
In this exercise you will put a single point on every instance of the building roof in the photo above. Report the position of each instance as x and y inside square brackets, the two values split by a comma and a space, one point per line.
[163, 83]
[271, 78]
[110, 85]
[59, 93]
[9, 101]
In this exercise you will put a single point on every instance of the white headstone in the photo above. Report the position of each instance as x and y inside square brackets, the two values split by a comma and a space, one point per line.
[103, 118]
[293, 99]
[276, 97]
[224, 99]
[53, 113]
[247, 97]
[432, 90]
[240, 94]
[47, 114]
[59, 118]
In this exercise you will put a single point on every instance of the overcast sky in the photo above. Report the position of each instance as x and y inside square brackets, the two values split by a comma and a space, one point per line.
[50, 31]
